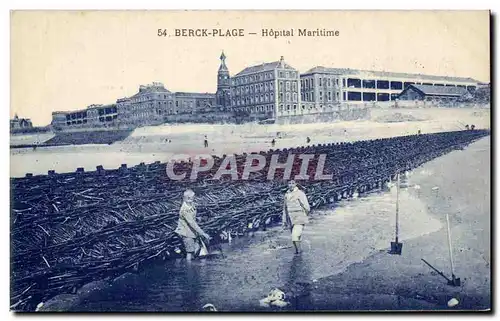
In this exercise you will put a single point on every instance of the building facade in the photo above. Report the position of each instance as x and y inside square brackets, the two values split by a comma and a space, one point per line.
[266, 90]
[322, 86]
[20, 123]
[148, 106]
[92, 116]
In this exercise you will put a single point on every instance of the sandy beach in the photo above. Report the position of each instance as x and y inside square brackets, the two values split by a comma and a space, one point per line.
[385, 281]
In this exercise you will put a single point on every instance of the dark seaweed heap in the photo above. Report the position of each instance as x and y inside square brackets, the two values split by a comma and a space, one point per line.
[68, 229]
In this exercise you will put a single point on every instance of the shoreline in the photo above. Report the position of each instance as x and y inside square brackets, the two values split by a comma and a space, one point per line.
[406, 279]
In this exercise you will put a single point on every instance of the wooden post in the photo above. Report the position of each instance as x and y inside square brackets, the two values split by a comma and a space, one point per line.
[397, 208]
[454, 280]
[396, 247]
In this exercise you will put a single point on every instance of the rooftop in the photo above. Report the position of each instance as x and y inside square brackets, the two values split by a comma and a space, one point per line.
[155, 87]
[348, 71]
[207, 95]
[440, 90]
[264, 67]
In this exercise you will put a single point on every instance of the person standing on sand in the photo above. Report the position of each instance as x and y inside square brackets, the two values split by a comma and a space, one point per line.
[187, 227]
[295, 213]
[205, 142]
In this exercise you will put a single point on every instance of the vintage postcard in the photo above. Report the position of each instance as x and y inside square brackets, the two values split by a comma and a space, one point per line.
[257, 161]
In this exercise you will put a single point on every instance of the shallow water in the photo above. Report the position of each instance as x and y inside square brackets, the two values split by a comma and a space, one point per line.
[252, 266]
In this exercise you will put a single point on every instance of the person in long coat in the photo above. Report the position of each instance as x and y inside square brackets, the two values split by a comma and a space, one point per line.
[295, 213]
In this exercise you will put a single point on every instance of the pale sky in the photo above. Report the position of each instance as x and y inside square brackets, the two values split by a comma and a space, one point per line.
[69, 60]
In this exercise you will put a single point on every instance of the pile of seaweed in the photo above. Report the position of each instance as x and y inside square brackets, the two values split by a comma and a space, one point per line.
[71, 228]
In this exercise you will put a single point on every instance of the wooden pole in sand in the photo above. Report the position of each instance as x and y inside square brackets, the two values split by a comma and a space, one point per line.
[397, 208]
[454, 281]
[396, 247]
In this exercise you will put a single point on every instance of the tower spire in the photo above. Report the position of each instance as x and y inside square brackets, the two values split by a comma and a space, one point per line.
[223, 67]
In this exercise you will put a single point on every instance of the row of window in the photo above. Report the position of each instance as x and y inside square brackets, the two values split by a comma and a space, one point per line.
[262, 108]
[76, 122]
[142, 98]
[84, 121]
[106, 111]
[289, 85]
[287, 74]
[308, 83]
[295, 107]
[199, 103]
[393, 85]
[329, 96]
[262, 87]
[242, 80]
[252, 78]
[288, 97]
[250, 100]
[359, 96]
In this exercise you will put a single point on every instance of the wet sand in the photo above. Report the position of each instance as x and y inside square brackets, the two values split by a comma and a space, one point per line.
[385, 281]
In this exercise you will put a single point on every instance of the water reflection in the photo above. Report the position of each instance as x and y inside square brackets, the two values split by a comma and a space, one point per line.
[298, 283]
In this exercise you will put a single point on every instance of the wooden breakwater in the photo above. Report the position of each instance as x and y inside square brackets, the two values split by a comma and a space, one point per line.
[70, 228]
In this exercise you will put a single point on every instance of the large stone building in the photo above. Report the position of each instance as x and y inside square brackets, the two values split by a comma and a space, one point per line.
[265, 90]
[328, 85]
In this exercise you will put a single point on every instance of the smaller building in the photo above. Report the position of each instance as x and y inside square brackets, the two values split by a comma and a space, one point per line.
[96, 115]
[192, 103]
[442, 93]
[20, 123]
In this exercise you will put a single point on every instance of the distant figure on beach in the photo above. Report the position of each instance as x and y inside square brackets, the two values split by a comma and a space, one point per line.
[467, 127]
[308, 140]
[419, 132]
[205, 142]
[472, 127]
[295, 213]
[187, 228]
[273, 142]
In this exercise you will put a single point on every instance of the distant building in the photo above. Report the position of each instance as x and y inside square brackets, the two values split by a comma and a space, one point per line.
[322, 86]
[20, 123]
[93, 116]
[427, 92]
[269, 91]
[148, 106]
[265, 90]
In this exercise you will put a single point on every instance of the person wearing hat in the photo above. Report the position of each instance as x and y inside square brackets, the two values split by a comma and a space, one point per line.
[295, 213]
[187, 227]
